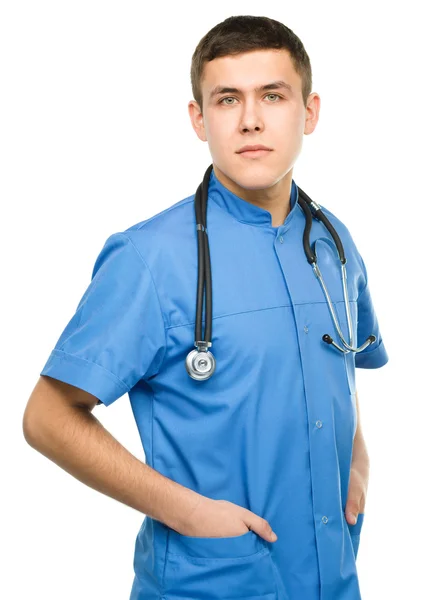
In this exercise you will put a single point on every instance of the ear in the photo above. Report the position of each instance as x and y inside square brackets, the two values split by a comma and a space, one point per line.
[312, 113]
[197, 120]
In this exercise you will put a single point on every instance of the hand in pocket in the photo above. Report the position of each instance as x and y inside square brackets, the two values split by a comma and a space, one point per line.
[221, 518]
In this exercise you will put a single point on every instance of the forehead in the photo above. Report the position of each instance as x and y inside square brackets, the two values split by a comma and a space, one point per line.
[249, 70]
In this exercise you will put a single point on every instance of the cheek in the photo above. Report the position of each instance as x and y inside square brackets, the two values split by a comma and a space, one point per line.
[219, 138]
[290, 114]
[220, 124]
[288, 133]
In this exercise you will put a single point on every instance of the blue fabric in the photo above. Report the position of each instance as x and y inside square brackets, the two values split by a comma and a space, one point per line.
[272, 430]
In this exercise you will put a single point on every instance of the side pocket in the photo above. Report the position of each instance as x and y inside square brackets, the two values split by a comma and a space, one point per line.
[355, 531]
[219, 568]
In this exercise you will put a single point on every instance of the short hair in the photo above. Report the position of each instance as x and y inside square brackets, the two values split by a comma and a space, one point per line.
[245, 33]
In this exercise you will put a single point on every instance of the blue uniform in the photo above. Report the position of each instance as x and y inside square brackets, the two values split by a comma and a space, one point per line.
[272, 430]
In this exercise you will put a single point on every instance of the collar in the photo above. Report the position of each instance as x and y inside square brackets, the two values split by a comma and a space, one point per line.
[245, 211]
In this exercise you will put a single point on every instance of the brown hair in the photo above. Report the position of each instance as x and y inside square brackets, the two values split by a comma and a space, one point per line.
[244, 33]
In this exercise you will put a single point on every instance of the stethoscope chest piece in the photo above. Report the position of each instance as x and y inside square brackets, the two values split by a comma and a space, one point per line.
[200, 364]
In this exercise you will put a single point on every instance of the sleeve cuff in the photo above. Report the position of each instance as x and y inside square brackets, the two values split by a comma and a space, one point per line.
[372, 360]
[86, 375]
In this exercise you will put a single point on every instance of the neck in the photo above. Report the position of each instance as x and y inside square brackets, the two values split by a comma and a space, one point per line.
[275, 199]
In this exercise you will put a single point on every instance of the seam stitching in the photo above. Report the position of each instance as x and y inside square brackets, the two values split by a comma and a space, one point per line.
[359, 296]
[107, 371]
[252, 311]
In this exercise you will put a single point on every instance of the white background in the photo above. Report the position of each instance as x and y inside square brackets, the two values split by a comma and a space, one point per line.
[95, 136]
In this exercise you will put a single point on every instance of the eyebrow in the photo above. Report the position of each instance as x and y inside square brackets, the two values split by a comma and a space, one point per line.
[274, 85]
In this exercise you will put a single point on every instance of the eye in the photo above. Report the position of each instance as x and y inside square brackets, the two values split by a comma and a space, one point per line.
[226, 98]
[276, 95]
[232, 98]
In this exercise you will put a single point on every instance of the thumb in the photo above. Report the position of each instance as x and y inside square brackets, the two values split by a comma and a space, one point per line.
[351, 516]
[262, 527]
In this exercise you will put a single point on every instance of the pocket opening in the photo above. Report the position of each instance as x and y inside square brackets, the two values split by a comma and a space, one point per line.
[240, 546]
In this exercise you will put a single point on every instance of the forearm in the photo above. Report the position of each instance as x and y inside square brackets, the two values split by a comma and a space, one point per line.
[76, 441]
[360, 458]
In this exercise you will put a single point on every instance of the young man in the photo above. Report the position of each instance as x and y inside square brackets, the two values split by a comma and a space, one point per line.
[271, 442]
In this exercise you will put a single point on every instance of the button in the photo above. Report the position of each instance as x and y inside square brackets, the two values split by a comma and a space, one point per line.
[319, 424]
[281, 239]
[306, 329]
[325, 519]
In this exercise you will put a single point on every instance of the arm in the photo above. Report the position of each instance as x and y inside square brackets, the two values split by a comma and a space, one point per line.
[360, 458]
[58, 422]
[359, 475]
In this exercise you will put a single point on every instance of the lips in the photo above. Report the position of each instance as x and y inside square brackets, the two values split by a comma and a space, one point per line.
[253, 148]
[254, 153]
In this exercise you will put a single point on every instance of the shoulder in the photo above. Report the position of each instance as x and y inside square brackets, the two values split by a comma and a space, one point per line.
[342, 230]
[167, 221]
[159, 232]
[164, 219]
[355, 265]
[337, 221]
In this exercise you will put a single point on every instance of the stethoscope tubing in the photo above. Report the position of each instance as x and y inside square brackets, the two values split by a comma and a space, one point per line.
[201, 363]
[312, 208]
[204, 269]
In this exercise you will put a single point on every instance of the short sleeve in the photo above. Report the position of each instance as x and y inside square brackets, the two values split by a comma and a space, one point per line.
[116, 336]
[375, 355]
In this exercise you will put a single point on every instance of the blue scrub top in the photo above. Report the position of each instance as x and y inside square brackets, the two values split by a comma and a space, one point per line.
[272, 430]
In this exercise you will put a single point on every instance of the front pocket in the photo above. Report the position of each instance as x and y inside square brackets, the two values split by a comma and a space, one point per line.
[206, 568]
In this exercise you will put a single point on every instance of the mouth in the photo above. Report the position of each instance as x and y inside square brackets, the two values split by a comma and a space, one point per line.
[254, 153]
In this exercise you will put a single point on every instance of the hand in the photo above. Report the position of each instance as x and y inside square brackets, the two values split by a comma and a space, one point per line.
[358, 487]
[221, 518]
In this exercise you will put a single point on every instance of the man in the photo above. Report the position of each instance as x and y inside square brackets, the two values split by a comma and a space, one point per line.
[254, 477]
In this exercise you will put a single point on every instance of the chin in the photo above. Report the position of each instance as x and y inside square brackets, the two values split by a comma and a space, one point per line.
[251, 176]
[256, 177]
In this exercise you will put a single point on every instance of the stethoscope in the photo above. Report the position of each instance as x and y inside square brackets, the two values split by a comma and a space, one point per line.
[200, 363]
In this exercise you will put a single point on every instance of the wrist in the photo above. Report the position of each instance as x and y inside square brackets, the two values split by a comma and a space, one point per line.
[361, 467]
[186, 508]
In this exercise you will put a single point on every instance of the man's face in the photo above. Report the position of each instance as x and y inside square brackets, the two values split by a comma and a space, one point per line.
[275, 118]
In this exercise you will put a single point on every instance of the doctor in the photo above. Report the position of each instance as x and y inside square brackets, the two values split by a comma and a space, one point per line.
[269, 444]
